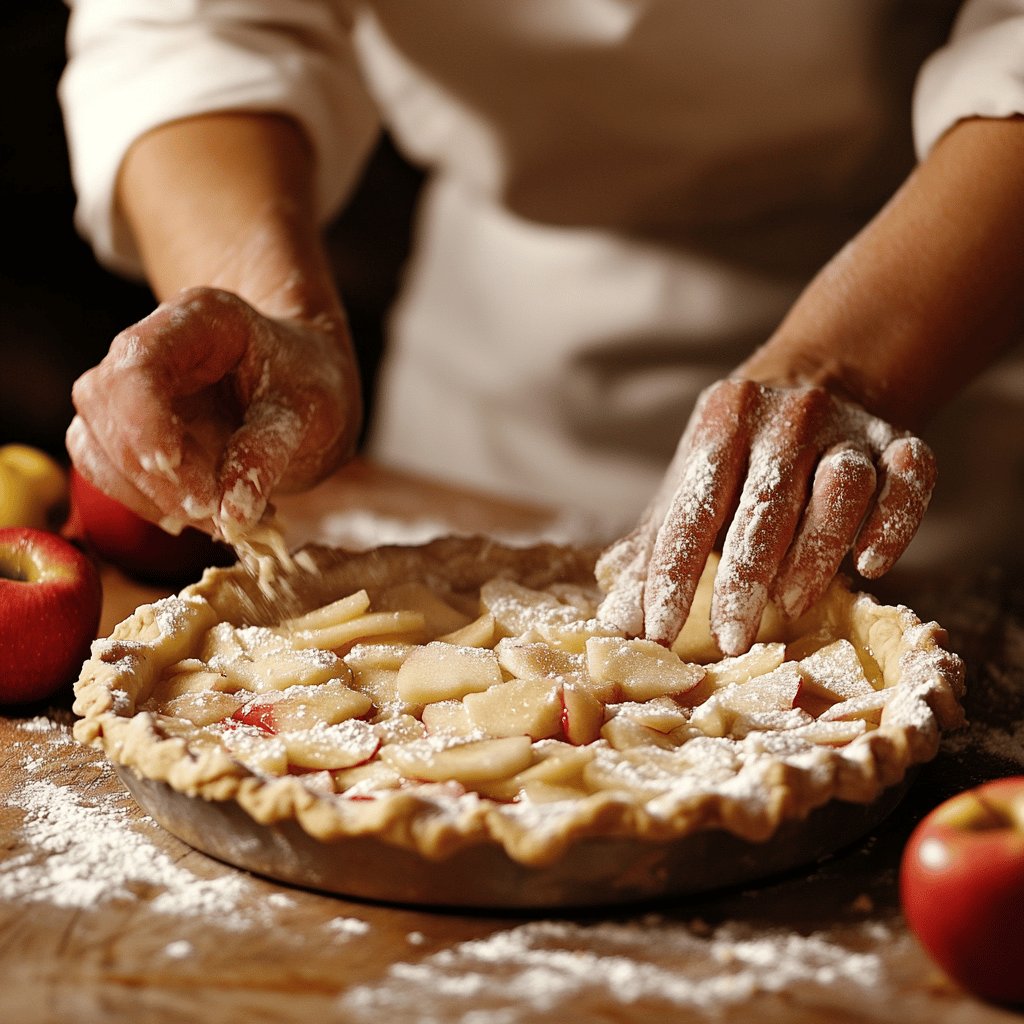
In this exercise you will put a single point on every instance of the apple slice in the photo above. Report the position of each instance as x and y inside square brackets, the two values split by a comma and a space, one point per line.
[623, 732]
[331, 747]
[443, 671]
[478, 633]
[662, 714]
[758, 661]
[765, 695]
[255, 749]
[439, 617]
[448, 718]
[517, 609]
[584, 600]
[405, 624]
[400, 729]
[201, 707]
[831, 734]
[329, 615]
[869, 707]
[381, 686]
[530, 707]
[835, 673]
[190, 676]
[468, 762]
[220, 643]
[303, 707]
[388, 655]
[526, 659]
[364, 780]
[281, 668]
[582, 714]
[641, 669]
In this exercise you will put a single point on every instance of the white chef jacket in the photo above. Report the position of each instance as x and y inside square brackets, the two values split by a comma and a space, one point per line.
[624, 198]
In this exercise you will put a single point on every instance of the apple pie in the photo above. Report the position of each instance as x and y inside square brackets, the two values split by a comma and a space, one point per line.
[462, 694]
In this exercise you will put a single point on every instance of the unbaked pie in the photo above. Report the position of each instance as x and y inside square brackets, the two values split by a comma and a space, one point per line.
[463, 693]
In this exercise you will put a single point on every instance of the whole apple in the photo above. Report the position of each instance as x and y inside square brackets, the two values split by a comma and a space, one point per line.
[141, 548]
[50, 598]
[962, 888]
[33, 488]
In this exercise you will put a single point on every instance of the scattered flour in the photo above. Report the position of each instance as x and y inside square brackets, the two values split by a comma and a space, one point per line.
[80, 850]
[347, 927]
[84, 851]
[537, 969]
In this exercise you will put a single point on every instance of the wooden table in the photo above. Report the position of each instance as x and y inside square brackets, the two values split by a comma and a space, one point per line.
[106, 918]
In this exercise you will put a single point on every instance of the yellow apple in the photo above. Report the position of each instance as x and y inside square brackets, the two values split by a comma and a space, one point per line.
[33, 488]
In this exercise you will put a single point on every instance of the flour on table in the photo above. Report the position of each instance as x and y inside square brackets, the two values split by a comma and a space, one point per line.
[80, 850]
[556, 970]
[347, 927]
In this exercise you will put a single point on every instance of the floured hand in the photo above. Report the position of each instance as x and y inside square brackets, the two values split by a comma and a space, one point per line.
[806, 477]
[204, 408]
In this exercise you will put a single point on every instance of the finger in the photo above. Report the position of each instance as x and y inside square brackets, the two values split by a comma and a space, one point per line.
[257, 456]
[92, 462]
[172, 476]
[774, 494]
[908, 474]
[844, 484]
[151, 398]
[710, 476]
[622, 572]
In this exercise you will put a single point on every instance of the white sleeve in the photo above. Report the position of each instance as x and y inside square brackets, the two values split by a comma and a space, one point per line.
[136, 64]
[978, 73]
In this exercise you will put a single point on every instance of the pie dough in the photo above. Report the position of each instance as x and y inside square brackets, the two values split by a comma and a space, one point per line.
[460, 693]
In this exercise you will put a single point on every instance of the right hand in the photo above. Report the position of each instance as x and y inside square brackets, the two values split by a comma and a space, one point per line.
[801, 477]
[199, 412]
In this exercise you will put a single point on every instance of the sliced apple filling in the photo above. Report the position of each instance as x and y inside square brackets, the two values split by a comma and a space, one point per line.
[518, 694]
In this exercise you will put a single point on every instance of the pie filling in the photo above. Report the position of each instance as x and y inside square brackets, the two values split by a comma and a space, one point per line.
[462, 692]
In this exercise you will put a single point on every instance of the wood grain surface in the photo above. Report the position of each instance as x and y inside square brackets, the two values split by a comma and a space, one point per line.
[106, 918]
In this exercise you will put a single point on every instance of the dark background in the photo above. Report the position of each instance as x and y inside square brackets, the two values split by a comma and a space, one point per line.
[58, 308]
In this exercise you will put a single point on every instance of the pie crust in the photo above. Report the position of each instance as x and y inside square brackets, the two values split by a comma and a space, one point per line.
[530, 728]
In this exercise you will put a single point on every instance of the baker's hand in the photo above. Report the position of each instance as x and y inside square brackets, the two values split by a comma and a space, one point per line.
[806, 476]
[202, 410]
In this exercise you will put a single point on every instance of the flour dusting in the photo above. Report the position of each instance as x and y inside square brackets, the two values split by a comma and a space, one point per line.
[557, 970]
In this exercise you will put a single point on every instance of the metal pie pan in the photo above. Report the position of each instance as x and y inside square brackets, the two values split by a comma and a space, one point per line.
[593, 872]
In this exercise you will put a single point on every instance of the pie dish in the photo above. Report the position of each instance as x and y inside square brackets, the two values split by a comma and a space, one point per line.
[452, 723]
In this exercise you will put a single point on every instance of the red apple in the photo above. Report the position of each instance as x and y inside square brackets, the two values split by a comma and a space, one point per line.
[962, 887]
[50, 597]
[141, 548]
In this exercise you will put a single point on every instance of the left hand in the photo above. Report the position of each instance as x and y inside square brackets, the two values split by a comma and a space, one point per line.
[810, 476]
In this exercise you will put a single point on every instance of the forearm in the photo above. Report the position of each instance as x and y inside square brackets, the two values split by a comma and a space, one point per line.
[226, 201]
[926, 295]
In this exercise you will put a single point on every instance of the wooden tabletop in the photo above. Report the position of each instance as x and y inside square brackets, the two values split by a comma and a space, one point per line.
[104, 917]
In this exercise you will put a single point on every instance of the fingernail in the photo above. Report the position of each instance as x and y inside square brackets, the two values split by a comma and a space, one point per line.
[242, 503]
[162, 464]
[733, 637]
[662, 625]
[791, 600]
[870, 563]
